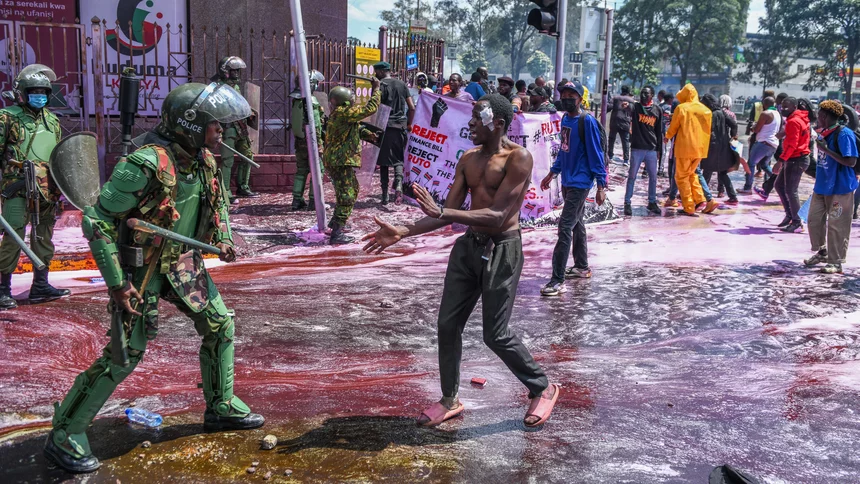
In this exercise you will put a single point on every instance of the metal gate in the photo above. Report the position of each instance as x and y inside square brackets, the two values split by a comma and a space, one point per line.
[63, 48]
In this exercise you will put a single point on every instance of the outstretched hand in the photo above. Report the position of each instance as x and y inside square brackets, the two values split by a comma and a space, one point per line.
[426, 201]
[386, 236]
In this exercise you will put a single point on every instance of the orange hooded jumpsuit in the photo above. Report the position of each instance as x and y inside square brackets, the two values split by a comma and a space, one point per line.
[691, 128]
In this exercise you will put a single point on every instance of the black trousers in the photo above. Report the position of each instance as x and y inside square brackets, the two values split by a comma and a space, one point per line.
[723, 181]
[787, 183]
[571, 232]
[625, 143]
[495, 281]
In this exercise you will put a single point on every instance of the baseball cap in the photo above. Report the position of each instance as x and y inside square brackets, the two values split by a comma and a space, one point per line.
[574, 85]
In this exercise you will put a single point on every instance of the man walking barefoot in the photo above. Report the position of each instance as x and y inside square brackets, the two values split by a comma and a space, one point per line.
[485, 263]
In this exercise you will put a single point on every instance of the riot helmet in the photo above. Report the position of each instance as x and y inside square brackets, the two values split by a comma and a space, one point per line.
[229, 67]
[315, 77]
[34, 76]
[340, 96]
[188, 109]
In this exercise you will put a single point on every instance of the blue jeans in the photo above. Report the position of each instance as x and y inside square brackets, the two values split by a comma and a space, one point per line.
[571, 231]
[759, 153]
[673, 187]
[650, 159]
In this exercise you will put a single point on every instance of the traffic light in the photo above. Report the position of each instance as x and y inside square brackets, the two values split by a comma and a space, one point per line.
[544, 18]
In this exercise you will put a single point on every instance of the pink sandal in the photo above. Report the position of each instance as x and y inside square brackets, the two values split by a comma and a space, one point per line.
[542, 408]
[438, 413]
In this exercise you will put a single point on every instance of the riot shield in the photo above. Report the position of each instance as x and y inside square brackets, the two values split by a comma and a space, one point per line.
[252, 95]
[75, 168]
[376, 123]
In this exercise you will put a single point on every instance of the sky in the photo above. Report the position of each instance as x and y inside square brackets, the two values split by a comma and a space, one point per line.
[364, 18]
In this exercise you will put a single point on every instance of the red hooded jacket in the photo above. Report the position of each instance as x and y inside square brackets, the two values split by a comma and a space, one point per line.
[796, 142]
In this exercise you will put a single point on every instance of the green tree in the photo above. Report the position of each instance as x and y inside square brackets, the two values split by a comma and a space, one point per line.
[538, 64]
[634, 57]
[696, 36]
[514, 37]
[830, 29]
[470, 60]
[765, 61]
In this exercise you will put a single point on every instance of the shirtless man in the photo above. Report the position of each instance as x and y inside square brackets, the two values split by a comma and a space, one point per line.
[485, 263]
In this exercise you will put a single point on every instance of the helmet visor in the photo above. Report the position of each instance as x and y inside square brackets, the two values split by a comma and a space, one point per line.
[223, 103]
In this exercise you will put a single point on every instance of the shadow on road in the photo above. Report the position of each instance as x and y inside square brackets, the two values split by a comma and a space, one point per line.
[110, 437]
[374, 434]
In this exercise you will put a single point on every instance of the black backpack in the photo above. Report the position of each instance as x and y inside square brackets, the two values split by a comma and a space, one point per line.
[603, 143]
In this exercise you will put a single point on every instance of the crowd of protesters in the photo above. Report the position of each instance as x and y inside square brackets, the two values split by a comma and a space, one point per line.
[686, 137]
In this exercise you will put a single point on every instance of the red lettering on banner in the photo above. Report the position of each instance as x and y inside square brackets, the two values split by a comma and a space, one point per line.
[429, 135]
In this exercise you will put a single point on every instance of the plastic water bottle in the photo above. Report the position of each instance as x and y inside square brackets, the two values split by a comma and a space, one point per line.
[143, 417]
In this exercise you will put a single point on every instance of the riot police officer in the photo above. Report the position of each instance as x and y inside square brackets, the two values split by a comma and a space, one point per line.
[298, 122]
[171, 182]
[235, 134]
[28, 134]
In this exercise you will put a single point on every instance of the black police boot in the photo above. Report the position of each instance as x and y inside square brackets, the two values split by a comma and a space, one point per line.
[68, 462]
[245, 192]
[41, 291]
[298, 204]
[212, 422]
[385, 196]
[6, 299]
[338, 237]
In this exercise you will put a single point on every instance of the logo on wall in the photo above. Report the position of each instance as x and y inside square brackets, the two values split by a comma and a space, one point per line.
[144, 35]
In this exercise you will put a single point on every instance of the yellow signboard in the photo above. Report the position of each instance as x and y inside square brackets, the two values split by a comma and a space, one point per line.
[365, 58]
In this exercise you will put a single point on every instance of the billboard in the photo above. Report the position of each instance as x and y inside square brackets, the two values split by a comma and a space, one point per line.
[23, 43]
[136, 34]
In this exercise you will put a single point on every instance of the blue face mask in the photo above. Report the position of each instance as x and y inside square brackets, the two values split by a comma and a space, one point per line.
[38, 101]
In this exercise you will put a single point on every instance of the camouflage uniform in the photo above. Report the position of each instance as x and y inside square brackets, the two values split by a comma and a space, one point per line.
[236, 136]
[303, 165]
[343, 153]
[169, 183]
[27, 134]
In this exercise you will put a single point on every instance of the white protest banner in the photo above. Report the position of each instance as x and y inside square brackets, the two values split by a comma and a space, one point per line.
[440, 136]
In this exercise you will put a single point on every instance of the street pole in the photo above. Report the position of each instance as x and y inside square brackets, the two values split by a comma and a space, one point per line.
[311, 129]
[607, 60]
[559, 48]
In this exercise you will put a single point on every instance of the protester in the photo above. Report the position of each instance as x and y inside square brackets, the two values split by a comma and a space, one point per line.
[539, 100]
[395, 95]
[421, 85]
[525, 105]
[720, 155]
[455, 85]
[647, 143]
[667, 162]
[557, 103]
[539, 82]
[691, 130]
[506, 89]
[767, 185]
[485, 263]
[485, 80]
[833, 193]
[619, 124]
[474, 88]
[579, 162]
[794, 161]
[726, 105]
[766, 141]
